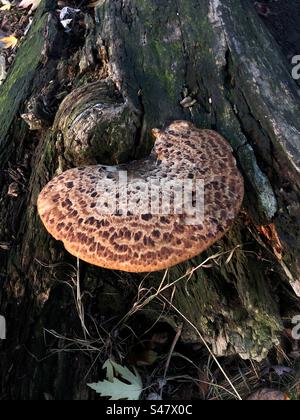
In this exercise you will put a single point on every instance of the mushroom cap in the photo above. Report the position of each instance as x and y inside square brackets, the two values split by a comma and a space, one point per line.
[75, 207]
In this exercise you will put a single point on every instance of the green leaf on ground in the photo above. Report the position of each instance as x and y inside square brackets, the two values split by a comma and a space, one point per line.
[115, 387]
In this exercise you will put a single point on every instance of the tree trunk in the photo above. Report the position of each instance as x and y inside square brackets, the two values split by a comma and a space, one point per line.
[151, 54]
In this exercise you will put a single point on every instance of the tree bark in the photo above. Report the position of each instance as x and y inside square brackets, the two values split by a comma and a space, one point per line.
[151, 55]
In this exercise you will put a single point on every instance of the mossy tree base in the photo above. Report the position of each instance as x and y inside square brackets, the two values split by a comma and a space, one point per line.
[220, 55]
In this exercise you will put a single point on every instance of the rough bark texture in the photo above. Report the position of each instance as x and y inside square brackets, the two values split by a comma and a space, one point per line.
[154, 52]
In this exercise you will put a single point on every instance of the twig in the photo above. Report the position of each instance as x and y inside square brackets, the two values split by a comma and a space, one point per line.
[143, 301]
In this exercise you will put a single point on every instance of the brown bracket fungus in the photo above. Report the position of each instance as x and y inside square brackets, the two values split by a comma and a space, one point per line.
[72, 206]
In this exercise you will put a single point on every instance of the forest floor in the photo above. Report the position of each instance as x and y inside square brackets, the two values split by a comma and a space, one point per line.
[197, 377]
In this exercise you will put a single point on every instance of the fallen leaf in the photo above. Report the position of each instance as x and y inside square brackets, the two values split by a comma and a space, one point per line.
[67, 16]
[33, 3]
[266, 394]
[115, 388]
[8, 42]
[6, 5]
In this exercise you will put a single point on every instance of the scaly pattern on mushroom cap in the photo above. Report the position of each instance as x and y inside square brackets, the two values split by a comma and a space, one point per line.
[135, 242]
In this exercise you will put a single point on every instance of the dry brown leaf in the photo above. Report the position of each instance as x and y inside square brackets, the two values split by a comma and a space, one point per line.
[266, 394]
[8, 42]
[120, 383]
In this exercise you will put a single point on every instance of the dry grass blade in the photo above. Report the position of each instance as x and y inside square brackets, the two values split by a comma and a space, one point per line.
[207, 347]
[79, 304]
[7, 42]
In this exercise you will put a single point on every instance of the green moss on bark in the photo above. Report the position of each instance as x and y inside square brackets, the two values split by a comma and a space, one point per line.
[19, 81]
